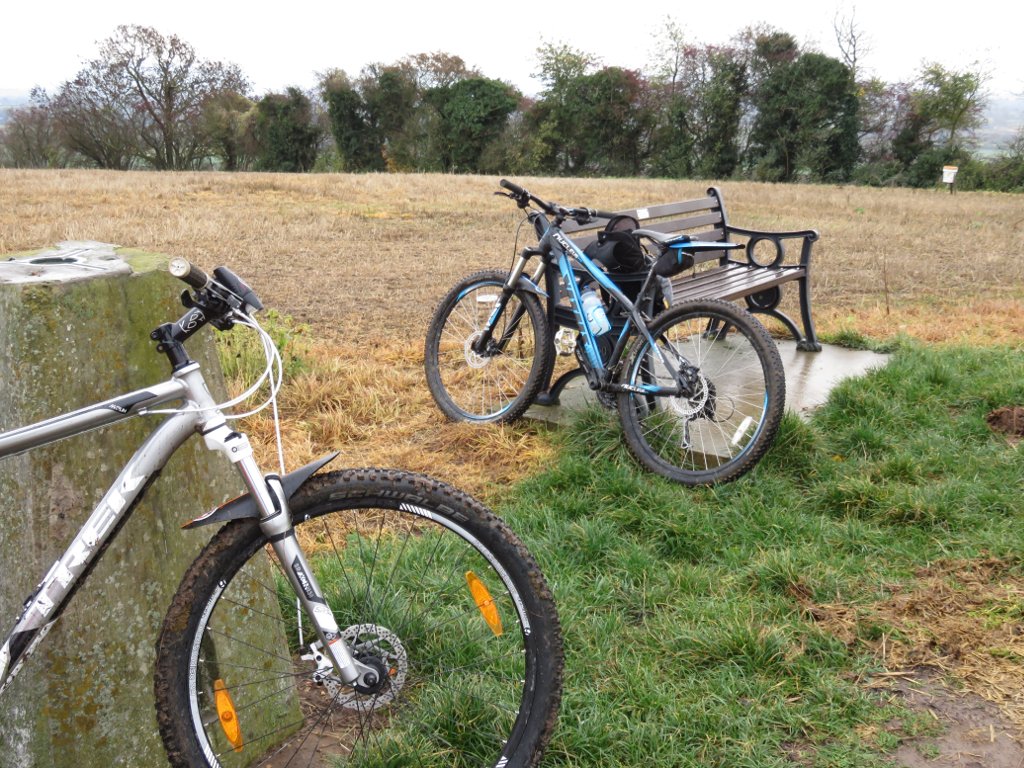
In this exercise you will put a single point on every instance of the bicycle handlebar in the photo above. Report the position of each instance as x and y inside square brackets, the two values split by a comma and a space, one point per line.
[216, 301]
[225, 284]
[514, 188]
[580, 215]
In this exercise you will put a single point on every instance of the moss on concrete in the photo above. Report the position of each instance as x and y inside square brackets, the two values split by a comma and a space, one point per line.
[86, 697]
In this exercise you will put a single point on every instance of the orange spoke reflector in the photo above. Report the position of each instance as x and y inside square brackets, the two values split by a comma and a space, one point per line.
[484, 602]
[227, 714]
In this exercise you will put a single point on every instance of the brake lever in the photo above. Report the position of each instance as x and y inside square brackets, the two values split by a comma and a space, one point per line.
[584, 216]
[523, 201]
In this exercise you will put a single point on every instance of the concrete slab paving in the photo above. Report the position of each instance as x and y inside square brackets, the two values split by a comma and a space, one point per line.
[810, 376]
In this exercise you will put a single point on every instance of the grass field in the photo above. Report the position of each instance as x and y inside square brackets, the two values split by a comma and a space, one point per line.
[762, 623]
[766, 622]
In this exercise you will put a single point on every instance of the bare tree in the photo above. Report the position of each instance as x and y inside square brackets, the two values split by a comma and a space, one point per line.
[143, 99]
[667, 57]
[170, 85]
[96, 119]
[31, 137]
[852, 41]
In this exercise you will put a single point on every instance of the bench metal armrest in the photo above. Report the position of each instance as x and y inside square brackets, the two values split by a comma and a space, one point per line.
[807, 235]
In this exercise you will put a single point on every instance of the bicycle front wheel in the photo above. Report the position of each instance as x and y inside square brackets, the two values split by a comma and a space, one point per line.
[498, 384]
[733, 398]
[425, 583]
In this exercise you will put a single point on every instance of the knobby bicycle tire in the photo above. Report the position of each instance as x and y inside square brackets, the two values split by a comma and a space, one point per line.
[425, 583]
[497, 386]
[728, 420]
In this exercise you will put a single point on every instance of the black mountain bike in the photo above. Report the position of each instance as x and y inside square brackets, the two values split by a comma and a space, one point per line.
[699, 386]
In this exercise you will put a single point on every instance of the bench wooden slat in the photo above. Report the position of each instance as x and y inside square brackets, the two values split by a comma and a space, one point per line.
[690, 222]
[732, 281]
[677, 209]
[714, 216]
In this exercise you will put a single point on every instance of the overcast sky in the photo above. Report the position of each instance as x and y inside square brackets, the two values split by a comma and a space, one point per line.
[45, 43]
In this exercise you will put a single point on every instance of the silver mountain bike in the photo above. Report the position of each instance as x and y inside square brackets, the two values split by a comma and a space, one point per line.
[349, 617]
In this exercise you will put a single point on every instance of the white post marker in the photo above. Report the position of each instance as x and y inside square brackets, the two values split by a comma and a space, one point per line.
[949, 175]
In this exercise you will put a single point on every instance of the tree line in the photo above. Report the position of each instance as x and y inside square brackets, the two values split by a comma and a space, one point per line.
[760, 108]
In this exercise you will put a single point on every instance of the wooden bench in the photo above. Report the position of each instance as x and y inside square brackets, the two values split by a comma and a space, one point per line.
[755, 274]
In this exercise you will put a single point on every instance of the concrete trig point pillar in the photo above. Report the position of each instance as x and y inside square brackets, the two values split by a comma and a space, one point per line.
[74, 330]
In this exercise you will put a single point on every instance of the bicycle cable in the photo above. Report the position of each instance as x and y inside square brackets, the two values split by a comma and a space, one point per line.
[515, 243]
[272, 373]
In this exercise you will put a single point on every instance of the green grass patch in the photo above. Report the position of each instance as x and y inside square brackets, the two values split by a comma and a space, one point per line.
[687, 643]
[241, 351]
[853, 339]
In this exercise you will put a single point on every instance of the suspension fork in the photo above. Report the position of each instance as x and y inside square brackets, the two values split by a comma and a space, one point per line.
[483, 344]
[276, 523]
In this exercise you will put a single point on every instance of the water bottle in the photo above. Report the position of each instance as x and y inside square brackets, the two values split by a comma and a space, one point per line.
[597, 318]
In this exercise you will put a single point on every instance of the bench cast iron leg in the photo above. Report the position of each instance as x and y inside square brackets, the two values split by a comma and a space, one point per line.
[810, 342]
[550, 396]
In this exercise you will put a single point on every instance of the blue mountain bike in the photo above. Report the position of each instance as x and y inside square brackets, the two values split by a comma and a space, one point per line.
[699, 386]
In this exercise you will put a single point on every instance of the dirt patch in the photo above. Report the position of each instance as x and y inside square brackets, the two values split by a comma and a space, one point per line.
[1008, 421]
[974, 732]
[951, 642]
[959, 618]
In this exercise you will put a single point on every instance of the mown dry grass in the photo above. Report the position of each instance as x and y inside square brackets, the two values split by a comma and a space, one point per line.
[380, 414]
[363, 260]
[369, 255]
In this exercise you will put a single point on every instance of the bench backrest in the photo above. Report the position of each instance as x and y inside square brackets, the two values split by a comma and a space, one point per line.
[701, 219]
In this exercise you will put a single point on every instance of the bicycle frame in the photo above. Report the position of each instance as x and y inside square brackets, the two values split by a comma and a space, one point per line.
[201, 415]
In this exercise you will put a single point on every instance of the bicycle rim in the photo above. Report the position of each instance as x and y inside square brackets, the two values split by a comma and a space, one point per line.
[499, 384]
[730, 413]
[418, 594]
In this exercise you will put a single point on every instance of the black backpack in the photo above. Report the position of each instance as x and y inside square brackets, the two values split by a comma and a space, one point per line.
[617, 249]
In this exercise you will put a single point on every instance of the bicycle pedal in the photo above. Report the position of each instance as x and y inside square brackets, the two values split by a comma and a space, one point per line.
[565, 341]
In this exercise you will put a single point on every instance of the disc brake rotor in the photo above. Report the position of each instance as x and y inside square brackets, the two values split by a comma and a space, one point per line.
[473, 359]
[371, 640]
[373, 645]
[692, 407]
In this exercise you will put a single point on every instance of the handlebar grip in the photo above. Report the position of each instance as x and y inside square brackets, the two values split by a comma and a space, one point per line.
[514, 188]
[185, 270]
[603, 214]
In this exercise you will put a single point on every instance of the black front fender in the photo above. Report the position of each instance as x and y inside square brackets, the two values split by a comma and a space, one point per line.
[245, 506]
